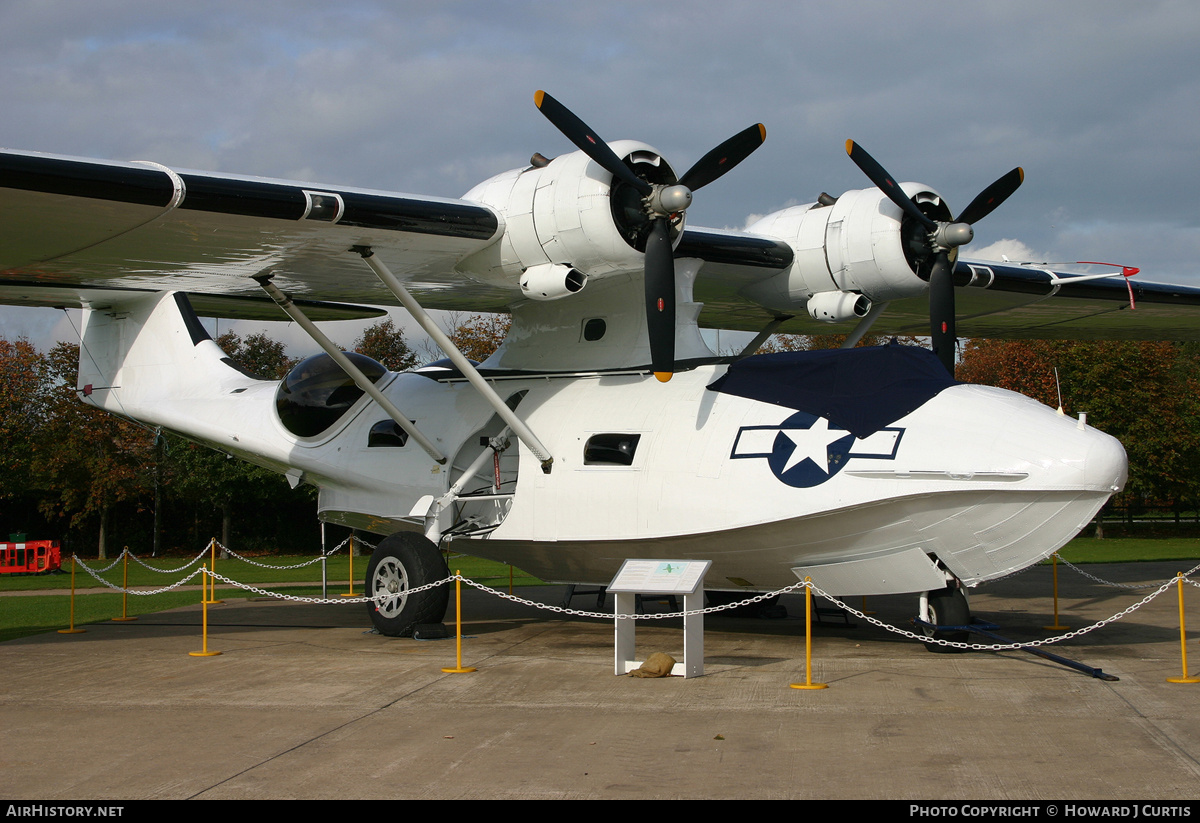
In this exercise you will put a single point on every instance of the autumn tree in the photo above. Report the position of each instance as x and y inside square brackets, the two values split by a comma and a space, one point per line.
[88, 461]
[810, 342]
[1142, 393]
[259, 354]
[480, 334]
[22, 412]
[384, 342]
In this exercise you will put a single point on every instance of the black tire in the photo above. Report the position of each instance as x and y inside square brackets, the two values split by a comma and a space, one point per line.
[948, 607]
[403, 561]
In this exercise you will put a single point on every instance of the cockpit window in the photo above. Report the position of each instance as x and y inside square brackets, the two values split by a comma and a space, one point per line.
[316, 392]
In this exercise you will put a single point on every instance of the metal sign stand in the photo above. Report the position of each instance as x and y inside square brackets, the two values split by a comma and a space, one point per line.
[659, 577]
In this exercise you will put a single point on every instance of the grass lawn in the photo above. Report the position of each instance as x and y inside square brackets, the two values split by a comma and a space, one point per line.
[1131, 549]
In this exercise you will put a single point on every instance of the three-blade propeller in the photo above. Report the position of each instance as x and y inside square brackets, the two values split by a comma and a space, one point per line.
[942, 238]
[662, 203]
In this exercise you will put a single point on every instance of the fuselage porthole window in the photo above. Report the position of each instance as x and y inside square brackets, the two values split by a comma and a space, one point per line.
[610, 449]
[387, 434]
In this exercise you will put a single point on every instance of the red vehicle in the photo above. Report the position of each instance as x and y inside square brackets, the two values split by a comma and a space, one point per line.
[32, 557]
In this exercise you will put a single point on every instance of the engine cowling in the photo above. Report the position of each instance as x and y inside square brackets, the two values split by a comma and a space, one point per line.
[860, 245]
[569, 214]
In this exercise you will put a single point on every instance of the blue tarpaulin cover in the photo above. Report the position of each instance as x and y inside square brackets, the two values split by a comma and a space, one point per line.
[861, 390]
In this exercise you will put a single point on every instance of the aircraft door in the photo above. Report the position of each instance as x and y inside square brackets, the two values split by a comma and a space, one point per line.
[487, 494]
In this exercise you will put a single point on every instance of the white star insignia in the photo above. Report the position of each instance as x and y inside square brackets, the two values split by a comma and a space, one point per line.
[812, 444]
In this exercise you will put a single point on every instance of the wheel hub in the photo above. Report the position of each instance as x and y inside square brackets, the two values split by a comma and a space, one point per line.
[392, 578]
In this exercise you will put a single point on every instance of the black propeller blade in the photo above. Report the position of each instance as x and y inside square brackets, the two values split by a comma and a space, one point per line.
[943, 238]
[663, 204]
[660, 300]
[586, 140]
[724, 157]
[991, 197]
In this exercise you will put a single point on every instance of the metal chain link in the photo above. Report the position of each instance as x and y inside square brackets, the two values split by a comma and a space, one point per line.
[996, 646]
[316, 559]
[96, 574]
[198, 558]
[113, 564]
[381, 598]
[1132, 586]
[606, 615]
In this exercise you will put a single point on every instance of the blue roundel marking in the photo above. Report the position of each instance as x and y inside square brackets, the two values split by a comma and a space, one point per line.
[807, 452]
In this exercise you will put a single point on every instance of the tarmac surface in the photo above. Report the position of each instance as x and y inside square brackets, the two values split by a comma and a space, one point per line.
[303, 702]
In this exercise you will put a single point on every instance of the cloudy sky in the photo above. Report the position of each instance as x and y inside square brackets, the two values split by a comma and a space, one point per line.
[1098, 101]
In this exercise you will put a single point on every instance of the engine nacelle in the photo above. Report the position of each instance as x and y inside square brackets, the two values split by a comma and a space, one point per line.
[836, 306]
[856, 245]
[568, 214]
[551, 281]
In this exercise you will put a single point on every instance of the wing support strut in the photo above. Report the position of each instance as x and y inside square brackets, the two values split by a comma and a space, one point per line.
[760, 338]
[352, 371]
[864, 325]
[456, 357]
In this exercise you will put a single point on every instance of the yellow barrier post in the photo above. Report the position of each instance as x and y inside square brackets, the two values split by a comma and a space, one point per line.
[72, 629]
[1056, 627]
[351, 592]
[212, 600]
[459, 669]
[808, 681]
[1182, 639]
[204, 608]
[124, 618]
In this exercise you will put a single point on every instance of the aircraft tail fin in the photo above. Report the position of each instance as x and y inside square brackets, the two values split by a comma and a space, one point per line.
[148, 357]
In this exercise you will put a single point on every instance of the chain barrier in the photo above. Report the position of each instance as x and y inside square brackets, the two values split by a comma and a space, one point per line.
[608, 615]
[319, 558]
[197, 559]
[798, 586]
[1131, 586]
[114, 564]
[841, 605]
[378, 599]
[997, 646]
[95, 573]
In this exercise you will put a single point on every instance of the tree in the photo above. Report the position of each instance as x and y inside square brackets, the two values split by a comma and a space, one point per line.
[1142, 393]
[260, 355]
[480, 334]
[22, 411]
[385, 343]
[811, 342]
[87, 461]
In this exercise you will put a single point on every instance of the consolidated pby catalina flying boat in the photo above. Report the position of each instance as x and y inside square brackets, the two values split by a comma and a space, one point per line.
[603, 428]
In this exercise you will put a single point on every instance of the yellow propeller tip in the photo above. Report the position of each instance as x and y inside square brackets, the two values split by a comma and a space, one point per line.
[662, 376]
[537, 98]
[849, 147]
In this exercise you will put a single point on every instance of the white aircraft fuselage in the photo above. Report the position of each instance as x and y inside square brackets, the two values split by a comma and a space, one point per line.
[975, 481]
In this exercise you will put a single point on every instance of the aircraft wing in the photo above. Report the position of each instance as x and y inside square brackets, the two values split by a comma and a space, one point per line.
[73, 226]
[994, 300]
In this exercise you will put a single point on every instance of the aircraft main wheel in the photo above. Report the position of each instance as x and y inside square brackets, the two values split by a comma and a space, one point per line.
[403, 561]
[948, 607]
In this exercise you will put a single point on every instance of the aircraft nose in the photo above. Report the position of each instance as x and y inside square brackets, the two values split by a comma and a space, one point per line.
[1106, 465]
